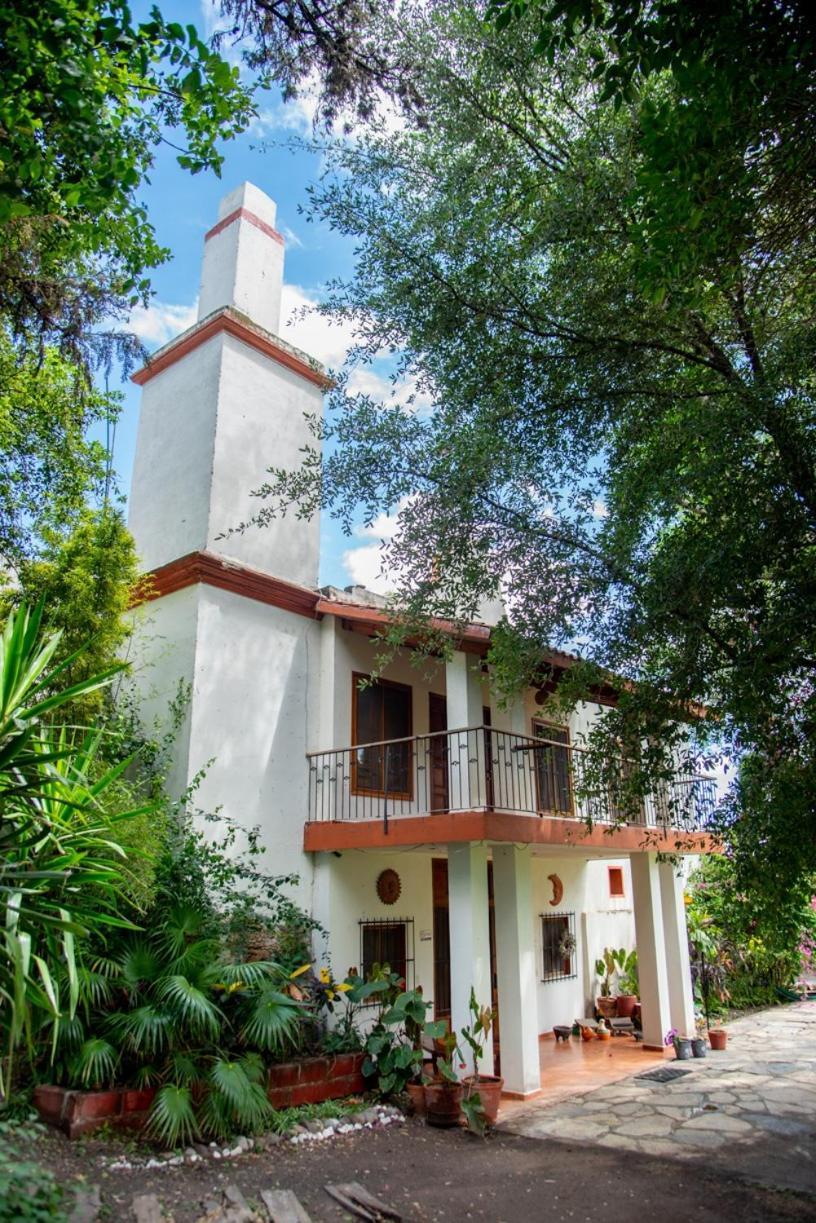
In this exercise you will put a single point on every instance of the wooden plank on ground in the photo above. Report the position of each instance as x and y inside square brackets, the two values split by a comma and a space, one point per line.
[283, 1206]
[352, 1196]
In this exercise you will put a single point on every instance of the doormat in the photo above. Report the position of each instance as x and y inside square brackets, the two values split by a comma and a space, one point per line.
[664, 1074]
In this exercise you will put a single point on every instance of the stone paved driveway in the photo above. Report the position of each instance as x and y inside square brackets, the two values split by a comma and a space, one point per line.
[750, 1110]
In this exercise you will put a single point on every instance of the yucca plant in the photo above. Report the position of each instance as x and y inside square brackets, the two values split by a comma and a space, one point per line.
[173, 1013]
[60, 866]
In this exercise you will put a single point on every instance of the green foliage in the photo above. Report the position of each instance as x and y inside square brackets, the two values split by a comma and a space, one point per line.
[393, 1045]
[175, 1011]
[86, 95]
[614, 416]
[285, 1119]
[742, 949]
[27, 1191]
[60, 865]
[48, 466]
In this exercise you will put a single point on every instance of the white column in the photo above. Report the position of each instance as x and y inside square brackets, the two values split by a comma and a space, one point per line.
[654, 985]
[678, 967]
[468, 919]
[463, 688]
[516, 966]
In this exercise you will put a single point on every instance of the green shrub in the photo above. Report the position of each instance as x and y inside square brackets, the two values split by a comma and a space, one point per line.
[27, 1191]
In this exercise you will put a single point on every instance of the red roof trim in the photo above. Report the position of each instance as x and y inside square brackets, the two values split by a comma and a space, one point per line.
[245, 215]
[226, 322]
[211, 570]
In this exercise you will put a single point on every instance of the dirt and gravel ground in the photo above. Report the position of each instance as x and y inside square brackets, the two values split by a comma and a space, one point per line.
[434, 1175]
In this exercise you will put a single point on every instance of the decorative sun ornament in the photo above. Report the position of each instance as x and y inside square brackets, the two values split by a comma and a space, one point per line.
[389, 887]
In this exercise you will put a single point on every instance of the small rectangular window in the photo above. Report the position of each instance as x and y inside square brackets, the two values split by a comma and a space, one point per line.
[391, 942]
[616, 888]
[559, 947]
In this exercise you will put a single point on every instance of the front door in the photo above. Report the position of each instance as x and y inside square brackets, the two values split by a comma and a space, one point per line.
[441, 946]
[438, 755]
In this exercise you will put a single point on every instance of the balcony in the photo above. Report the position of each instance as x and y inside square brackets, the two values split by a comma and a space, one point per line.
[481, 783]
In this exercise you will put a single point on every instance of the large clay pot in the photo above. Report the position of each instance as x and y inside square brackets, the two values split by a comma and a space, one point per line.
[489, 1087]
[625, 1004]
[443, 1102]
[416, 1094]
[718, 1038]
[606, 1007]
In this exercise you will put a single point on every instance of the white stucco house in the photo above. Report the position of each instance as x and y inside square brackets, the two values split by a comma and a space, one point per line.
[428, 826]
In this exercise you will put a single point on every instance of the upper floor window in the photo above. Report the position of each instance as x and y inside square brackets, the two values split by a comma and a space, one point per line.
[616, 884]
[552, 768]
[380, 712]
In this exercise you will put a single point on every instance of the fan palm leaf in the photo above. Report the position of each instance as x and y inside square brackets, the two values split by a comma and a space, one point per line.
[272, 1021]
[191, 1005]
[146, 1029]
[172, 1118]
[94, 1063]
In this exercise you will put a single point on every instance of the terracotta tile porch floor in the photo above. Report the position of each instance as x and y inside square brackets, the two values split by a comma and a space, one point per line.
[577, 1066]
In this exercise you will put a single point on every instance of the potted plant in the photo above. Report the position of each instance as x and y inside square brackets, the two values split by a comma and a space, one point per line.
[443, 1095]
[394, 1045]
[488, 1087]
[626, 963]
[605, 967]
[718, 1038]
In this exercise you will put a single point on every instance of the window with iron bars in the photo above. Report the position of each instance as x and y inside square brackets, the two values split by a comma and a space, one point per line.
[388, 940]
[559, 947]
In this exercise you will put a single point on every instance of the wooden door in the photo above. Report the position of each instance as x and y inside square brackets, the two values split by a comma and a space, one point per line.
[494, 979]
[438, 755]
[441, 937]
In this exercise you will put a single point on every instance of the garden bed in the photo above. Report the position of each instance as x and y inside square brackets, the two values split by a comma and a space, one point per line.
[308, 1081]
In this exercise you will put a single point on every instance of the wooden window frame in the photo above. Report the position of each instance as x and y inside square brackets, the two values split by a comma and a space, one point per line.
[617, 871]
[406, 795]
[567, 745]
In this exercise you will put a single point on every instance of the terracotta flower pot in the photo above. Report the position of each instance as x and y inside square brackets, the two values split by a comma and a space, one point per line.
[606, 1007]
[489, 1087]
[718, 1038]
[625, 1005]
[443, 1102]
[416, 1094]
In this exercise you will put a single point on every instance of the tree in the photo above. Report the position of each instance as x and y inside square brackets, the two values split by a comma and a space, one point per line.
[49, 469]
[86, 95]
[621, 438]
[348, 50]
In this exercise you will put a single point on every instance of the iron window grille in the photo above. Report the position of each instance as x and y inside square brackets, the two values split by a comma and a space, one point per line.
[387, 940]
[559, 947]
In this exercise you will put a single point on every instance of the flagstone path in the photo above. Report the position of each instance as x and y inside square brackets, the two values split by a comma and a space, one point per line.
[750, 1110]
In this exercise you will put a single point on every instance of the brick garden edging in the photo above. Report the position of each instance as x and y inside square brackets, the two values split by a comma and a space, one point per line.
[309, 1081]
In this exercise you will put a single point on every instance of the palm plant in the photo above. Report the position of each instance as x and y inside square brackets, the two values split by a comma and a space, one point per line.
[60, 867]
[171, 1012]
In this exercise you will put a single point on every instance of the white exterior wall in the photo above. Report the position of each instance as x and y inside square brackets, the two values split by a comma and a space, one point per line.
[169, 504]
[354, 898]
[243, 265]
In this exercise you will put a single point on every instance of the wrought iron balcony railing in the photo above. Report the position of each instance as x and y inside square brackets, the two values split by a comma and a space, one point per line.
[480, 768]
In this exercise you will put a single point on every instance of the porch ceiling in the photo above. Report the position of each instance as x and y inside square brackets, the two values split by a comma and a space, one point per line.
[498, 826]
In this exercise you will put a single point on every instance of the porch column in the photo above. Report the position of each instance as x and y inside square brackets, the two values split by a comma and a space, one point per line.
[651, 949]
[516, 968]
[678, 965]
[463, 687]
[468, 921]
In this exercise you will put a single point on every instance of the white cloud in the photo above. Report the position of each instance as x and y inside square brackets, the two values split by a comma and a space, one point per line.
[404, 393]
[161, 321]
[320, 337]
[292, 239]
[364, 564]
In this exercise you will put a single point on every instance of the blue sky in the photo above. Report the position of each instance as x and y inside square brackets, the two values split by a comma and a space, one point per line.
[182, 208]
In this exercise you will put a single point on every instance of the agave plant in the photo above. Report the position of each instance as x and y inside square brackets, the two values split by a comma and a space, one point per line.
[60, 867]
[171, 1012]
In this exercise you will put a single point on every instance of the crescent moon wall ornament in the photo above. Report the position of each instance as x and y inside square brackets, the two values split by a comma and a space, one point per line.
[389, 886]
[558, 889]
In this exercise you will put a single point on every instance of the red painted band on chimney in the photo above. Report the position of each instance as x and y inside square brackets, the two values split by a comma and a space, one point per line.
[247, 216]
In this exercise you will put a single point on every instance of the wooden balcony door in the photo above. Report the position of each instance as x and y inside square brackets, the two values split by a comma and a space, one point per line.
[441, 950]
[438, 756]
